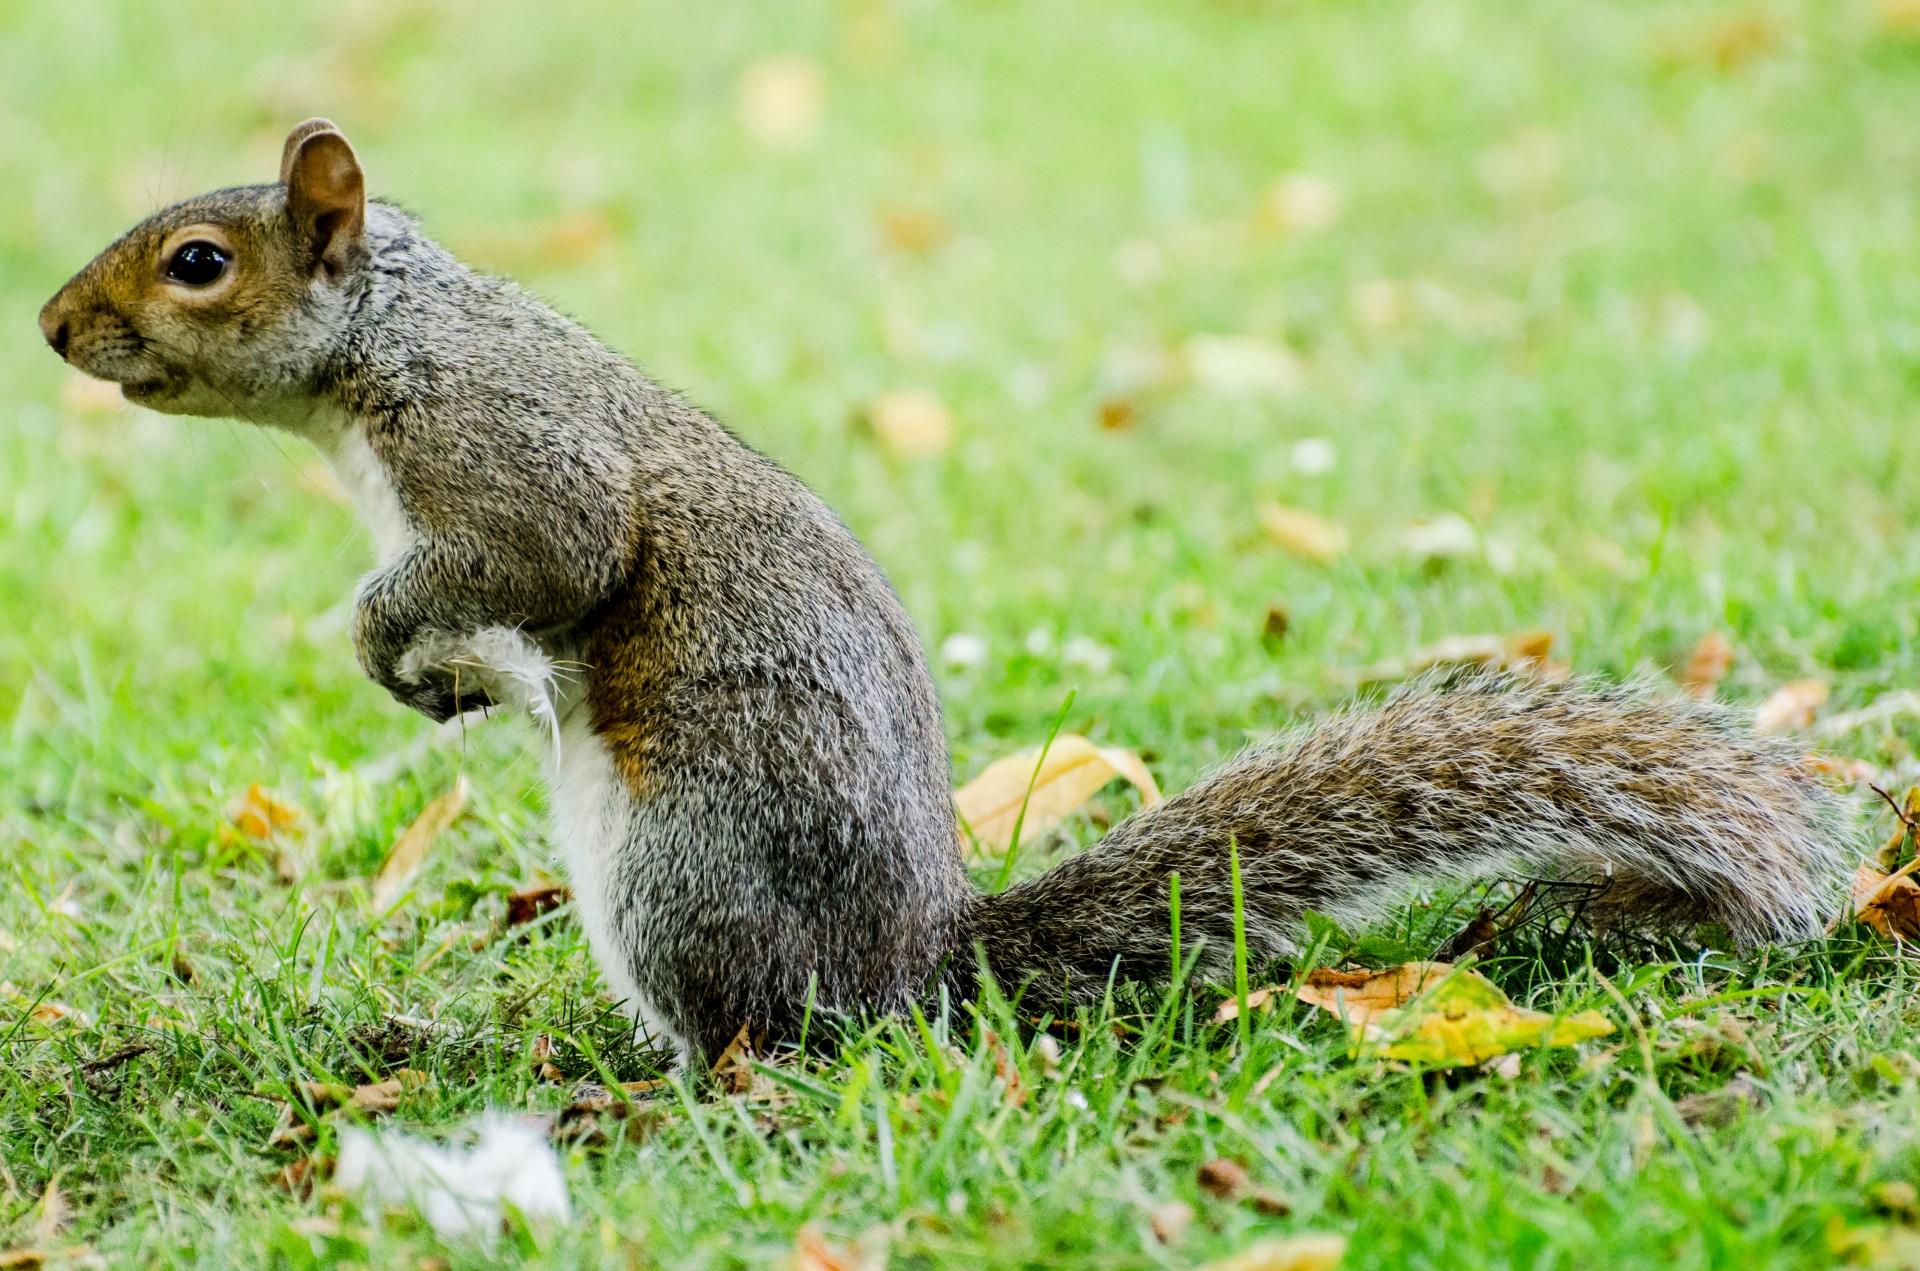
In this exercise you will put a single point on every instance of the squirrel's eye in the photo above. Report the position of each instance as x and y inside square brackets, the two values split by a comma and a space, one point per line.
[197, 263]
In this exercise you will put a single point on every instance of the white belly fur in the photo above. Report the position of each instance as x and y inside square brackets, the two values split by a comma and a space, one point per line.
[592, 810]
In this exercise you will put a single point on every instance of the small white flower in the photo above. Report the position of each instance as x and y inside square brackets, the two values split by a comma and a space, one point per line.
[963, 650]
[1312, 456]
[1039, 642]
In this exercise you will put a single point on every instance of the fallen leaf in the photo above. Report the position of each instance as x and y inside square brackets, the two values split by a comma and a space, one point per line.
[780, 100]
[1843, 771]
[47, 1011]
[731, 1070]
[24, 1259]
[1890, 904]
[1171, 1220]
[1223, 1177]
[1401, 1013]
[1725, 42]
[1313, 1251]
[53, 1213]
[530, 903]
[1898, 17]
[410, 849]
[1717, 1108]
[1528, 651]
[912, 230]
[1241, 366]
[1257, 1000]
[1305, 534]
[1359, 996]
[1116, 413]
[373, 1099]
[1074, 771]
[1274, 629]
[1791, 706]
[1015, 1094]
[812, 1251]
[1896, 1195]
[911, 423]
[1707, 666]
[259, 815]
[1302, 203]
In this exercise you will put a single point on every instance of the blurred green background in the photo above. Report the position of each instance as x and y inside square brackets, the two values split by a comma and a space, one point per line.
[1601, 318]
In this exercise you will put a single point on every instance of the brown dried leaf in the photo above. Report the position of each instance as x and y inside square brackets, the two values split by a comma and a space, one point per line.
[53, 1213]
[812, 1251]
[48, 1011]
[911, 423]
[1528, 652]
[1015, 1094]
[410, 849]
[731, 1072]
[1361, 995]
[1257, 1000]
[1117, 413]
[530, 903]
[1074, 771]
[780, 100]
[259, 815]
[1888, 904]
[1223, 1177]
[1707, 666]
[24, 1259]
[1313, 1251]
[1305, 534]
[1791, 706]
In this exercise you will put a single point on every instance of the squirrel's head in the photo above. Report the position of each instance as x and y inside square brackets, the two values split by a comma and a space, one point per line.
[220, 304]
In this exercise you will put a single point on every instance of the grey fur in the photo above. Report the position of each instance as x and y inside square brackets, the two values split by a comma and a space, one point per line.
[788, 822]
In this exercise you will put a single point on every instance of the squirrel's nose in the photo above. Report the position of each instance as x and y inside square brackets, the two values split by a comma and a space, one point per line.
[54, 328]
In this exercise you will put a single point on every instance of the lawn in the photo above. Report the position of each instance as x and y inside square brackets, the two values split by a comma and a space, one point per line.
[1600, 319]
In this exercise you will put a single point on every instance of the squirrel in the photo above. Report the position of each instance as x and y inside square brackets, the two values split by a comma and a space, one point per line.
[748, 770]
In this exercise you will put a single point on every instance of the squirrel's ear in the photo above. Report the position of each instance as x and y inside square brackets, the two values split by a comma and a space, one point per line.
[326, 195]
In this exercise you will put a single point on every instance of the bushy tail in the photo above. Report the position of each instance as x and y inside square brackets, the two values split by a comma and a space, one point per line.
[1678, 808]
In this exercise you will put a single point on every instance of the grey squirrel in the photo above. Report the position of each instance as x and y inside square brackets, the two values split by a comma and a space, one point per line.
[749, 776]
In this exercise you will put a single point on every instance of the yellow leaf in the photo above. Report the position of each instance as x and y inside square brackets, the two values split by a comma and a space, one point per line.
[1074, 771]
[1464, 1019]
[780, 100]
[911, 424]
[1314, 1251]
[1791, 706]
[411, 848]
[259, 815]
[1708, 666]
[1305, 534]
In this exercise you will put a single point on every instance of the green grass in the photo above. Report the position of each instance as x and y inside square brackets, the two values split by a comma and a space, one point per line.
[1658, 341]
